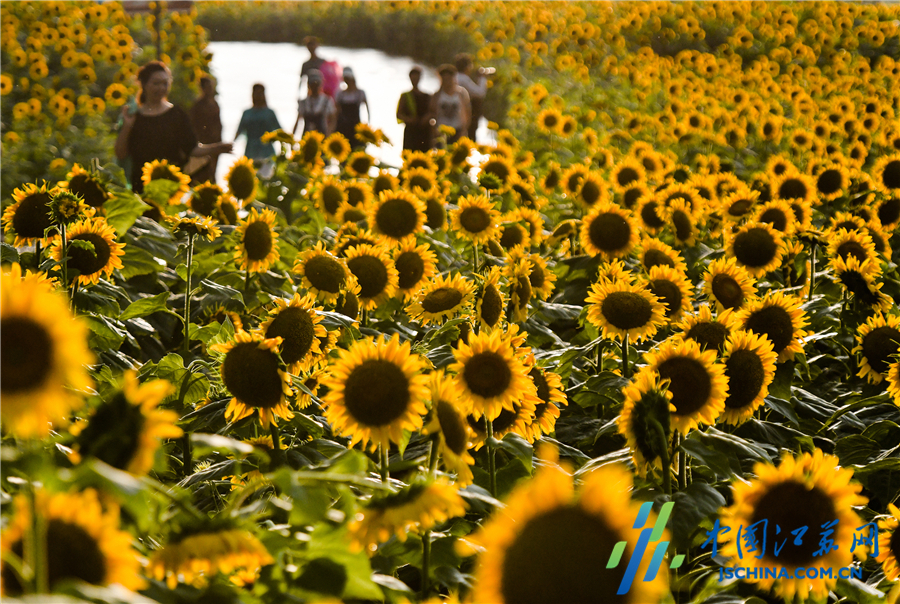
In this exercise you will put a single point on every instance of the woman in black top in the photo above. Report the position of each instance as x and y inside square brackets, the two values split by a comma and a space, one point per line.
[158, 129]
[348, 102]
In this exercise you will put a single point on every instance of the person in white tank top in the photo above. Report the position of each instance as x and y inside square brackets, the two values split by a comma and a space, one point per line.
[450, 104]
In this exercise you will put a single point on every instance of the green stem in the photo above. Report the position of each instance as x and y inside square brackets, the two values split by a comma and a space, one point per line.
[247, 282]
[38, 546]
[426, 562]
[385, 477]
[812, 270]
[682, 464]
[625, 370]
[364, 320]
[492, 462]
[186, 344]
[186, 454]
[63, 267]
[433, 456]
[663, 444]
[37, 255]
[476, 256]
[600, 356]
[276, 437]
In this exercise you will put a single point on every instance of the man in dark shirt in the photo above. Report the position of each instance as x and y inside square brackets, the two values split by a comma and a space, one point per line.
[412, 110]
[315, 61]
[207, 126]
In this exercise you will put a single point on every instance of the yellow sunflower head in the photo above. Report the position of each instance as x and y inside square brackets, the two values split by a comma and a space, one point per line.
[28, 216]
[476, 219]
[298, 324]
[710, 332]
[75, 523]
[645, 419]
[779, 317]
[697, 383]
[86, 184]
[441, 299]
[806, 491]
[749, 361]
[855, 243]
[258, 248]
[194, 226]
[489, 300]
[728, 284]
[358, 164]
[324, 274]
[125, 430]
[550, 396]
[657, 253]
[757, 247]
[886, 175]
[859, 278]
[877, 342]
[205, 199]
[448, 420]
[241, 179]
[889, 543]
[593, 190]
[625, 309]
[501, 171]
[163, 170]
[310, 152]
[415, 265]
[45, 354]
[254, 374]
[609, 231]
[397, 215]
[375, 273]
[336, 147]
[539, 275]
[672, 288]
[376, 391]
[92, 249]
[627, 173]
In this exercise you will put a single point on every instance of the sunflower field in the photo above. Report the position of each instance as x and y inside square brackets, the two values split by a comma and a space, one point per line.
[643, 349]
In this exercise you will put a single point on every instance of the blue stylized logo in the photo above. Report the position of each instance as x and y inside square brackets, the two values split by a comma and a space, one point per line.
[648, 535]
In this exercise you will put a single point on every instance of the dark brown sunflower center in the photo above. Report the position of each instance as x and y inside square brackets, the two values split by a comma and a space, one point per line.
[650, 217]
[86, 261]
[452, 427]
[421, 182]
[551, 180]
[434, 214]
[891, 175]
[474, 219]
[776, 218]
[361, 164]
[609, 232]
[755, 247]
[709, 334]
[727, 291]
[537, 277]
[113, 433]
[63, 540]
[626, 176]
[668, 293]
[561, 556]
[376, 393]
[512, 236]
[397, 218]
[325, 274]
[789, 506]
[830, 181]
[745, 373]
[894, 544]
[683, 227]
[792, 188]
[773, 322]
[251, 375]
[852, 248]
[487, 374]
[591, 192]
[242, 181]
[411, 267]
[889, 211]
[27, 358]
[690, 383]
[356, 194]
[879, 345]
[491, 305]
[540, 382]
[877, 240]
[632, 196]
[382, 183]
[203, 201]
[332, 197]
[228, 211]
[90, 190]
[740, 207]
[370, 273]
[498, 169]
[349, 305]
[626, 310]
[442, 299]
[258, 240]
[296, 328]
[651, 408]
[654, 257]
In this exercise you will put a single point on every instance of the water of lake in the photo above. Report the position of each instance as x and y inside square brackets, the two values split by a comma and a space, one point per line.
[238, 65]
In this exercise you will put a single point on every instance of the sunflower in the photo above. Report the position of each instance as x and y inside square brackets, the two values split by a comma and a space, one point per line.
[311, 383]
[397, 214]
[161, 169]
[859, 278]
[258, 249]
[515, 421]
[193, 555]
[832, 182]
[489, 300]
[448, 422]
[551, 179]
[651, 212]
[708, 331]
[254, 375]
[886, 174]
[806, 491]
[440, 299]
[889, 543]
[324, 274]
[794, 186]
[683, 222]
[540, 277]
[757, 247]
[420, 506]
[376, 391]
[551, 396]
[298, 324]
[330, 195]
[310, 151]
[92, 249]
[513, 235]
[75, 523]
[205, 198]
[697, 383]
[420, 181]
[520, 291]
[728, 284]
[337, 147]
[877, 341]
[476, 219]
[418, 159]
[502, 172]
[367, 136]
[881, 238]
[414, 264]
[227, 210]
[656, 253]
[359, 193]
[549, 121]
[351, 234]
[385, 181]
[627, 173]
[645, 418]
[625, 309]
[125, 430]
[29, 216]
[374, 272]
[87, 185]
[194, 226]
[241, 179]
[609, 231]
[358, 164]
[857, 244]
[550, 545]
[44, 356]
[592, 190]
[672, 288]
[491, 375]
[749, 361]
[779, 317]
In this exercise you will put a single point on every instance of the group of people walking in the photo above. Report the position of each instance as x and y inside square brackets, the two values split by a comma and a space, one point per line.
[155, 129]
